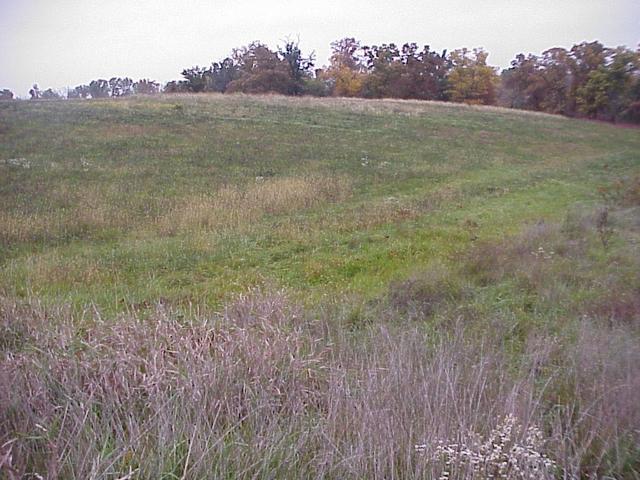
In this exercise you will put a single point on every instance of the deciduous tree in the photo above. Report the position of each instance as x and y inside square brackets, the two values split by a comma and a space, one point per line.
[299, 66]
[221, 74]
[471, 80]
[121, 87]
[261, 70]
[196, 78]
[610, 88]
[51, 94]
[81, 91]
[35, 92]
[347, 69]
[146, 87]
[99, 88]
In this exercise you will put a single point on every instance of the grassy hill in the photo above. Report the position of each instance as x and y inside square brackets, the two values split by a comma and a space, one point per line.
[272, 287]
[191, 198]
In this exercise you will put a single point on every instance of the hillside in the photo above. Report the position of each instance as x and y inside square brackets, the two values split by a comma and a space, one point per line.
[198, 286]
[189, 198]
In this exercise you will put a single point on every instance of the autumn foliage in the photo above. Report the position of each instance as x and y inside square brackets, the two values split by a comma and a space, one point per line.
[588, 80]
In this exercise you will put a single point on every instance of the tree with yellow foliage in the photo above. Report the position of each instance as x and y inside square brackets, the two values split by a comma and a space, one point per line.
[470, 79]
[346, 73]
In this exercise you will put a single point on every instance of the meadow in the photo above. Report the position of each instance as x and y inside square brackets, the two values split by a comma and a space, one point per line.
[208, 286]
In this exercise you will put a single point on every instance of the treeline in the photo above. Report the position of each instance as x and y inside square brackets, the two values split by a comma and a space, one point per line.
[588, 80]
[101, 88]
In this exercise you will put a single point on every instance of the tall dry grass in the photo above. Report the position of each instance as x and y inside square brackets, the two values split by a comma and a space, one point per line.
[80, 212]
[91, 212]
[263, 390]
[236, 207]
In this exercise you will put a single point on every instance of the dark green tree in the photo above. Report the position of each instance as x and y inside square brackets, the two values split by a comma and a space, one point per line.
[174, 86]
[612, 87]
[424, 75]
[522, 84]
[81, 91]
[300, 67]
[50, 94]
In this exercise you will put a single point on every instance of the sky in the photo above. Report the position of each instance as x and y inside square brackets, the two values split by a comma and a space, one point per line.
[64, 43]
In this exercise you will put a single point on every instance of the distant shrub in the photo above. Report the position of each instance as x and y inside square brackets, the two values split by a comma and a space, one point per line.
[316, 87]
[6, 94]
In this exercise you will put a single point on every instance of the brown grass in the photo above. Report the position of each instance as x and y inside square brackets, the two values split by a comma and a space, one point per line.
[94, 213]
[236, 207]
[263, 391]
[82, 212]
[375, 106]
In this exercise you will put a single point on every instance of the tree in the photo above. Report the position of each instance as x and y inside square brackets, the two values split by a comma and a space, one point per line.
[120, 87]
[425, 74]
[35, 92]
[611, 87]
[261, 70]
[471, 80]
[196, 78]
[406, 72]
[221, 74]
[176, 87]
[317, 86]
[347, 68]
[556, 65]
[99, 88]
[384, 71]
[146, 87]
[6, 94]
[299, 66]
[50, 94]
[522, 84]
[81, 91]
[586, 57]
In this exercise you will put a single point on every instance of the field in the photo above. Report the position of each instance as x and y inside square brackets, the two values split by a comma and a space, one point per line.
[208, 286]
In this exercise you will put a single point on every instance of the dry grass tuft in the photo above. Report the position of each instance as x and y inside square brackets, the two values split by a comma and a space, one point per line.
[85, 212]
[236, 207]
[423, 293]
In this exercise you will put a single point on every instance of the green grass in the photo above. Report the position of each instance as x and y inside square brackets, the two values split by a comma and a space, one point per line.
[421, 271]
[98, 215]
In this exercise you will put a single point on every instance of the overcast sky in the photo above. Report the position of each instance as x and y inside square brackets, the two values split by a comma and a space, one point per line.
[59, 43]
